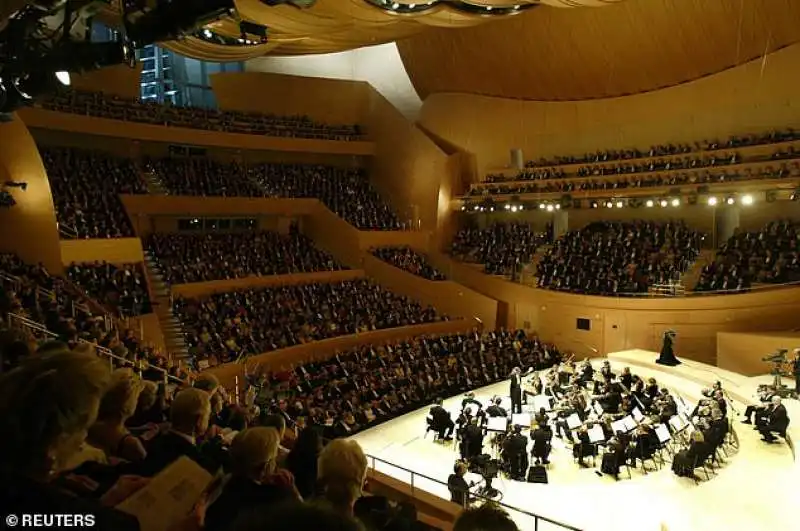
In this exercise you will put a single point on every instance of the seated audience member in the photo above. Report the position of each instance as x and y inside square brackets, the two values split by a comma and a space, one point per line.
[341, 474]
[457, 485]
[185, 258]
[47, 404]
[302, 461]
[252, 459]
[278, 423]
[502, 248]
[615, 258]
[86, 186]
[122, 288]
[409, 260]
[259, 320]
[109, 433]
[148, 408]
[768, 256]
[294, 516]
[189, 417]
[487, 517]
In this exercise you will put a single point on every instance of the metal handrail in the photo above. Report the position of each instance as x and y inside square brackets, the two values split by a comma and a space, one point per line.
[139, 365]
[687, 294]
[536, 517]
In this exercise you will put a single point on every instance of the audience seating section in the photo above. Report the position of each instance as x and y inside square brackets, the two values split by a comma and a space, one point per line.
[345, 191]
[122, 288]
[86, 186]
[501, 248]
[409, 260]
[247, 322]
[769, 256]
[107, 106]
[614, 258]
[186, 258]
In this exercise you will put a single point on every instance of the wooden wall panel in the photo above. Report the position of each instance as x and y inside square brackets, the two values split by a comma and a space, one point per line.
[115, 251]
[743, 352]
[751, 98]
[29, 228]
[332, 101]
[117, 80]
[104, 127]
[447, 297]
[408, 168]
[203, 289]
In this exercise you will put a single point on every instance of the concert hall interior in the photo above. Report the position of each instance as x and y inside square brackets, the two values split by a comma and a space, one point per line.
[395, 265]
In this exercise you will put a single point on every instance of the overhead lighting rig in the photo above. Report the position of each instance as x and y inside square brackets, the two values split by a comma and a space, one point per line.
[40, 46]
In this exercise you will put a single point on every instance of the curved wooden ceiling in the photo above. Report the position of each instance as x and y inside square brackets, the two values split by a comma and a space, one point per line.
[338, 25]
[633, 46]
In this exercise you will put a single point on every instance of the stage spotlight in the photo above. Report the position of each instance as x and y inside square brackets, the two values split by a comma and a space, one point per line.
[514, 208]
[491, 209]
[522, 207]
[747, 199]
[620, 204]
[676, 202]
[63, 77]
[730, 200]
[712, 201]
[593, 204]
[549, 208]
[609, 205]
[558, 207]
[663, 203]
[542, 206]
[463, 208]
[507, 207]
[476, 207]
[649, 203]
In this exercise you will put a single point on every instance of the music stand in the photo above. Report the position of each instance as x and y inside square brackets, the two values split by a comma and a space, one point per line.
[598, 409]
[521, 419]
[596, 435]
[637, 414]
[573, 421]
[497, 424]
[663, 433]
[630, 424]
[678, 423]
[543, 401]
[619, 425]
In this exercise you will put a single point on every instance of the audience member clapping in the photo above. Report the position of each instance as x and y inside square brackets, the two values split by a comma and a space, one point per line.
[502, 247]
[185, 258]
[409, 260]
[770, 255]
[86, 186]
[615, 258]
[120, 287]
[116, 108]
[260, 320]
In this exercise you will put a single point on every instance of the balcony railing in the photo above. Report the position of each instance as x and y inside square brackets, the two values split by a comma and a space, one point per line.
[526, 520]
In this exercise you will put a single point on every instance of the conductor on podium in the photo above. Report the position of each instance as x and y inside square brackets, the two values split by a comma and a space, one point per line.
[516, 390]
[667, 356]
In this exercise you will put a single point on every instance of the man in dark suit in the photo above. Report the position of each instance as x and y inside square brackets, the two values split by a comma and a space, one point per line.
[495, 410]
[457, 485]
[471, 440]
[441, 421]
[776, 420]
[189, 416]
[541, 437]
[516, 390]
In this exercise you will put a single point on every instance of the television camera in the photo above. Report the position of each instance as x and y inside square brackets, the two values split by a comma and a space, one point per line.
[488, 469]
[779, 361]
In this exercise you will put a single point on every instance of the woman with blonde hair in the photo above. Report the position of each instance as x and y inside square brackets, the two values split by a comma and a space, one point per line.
[253, 455]
[118, 405]
[341, 471]
[47, 405]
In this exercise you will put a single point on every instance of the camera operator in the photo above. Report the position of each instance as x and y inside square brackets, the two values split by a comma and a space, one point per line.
[457, 485]
[515, 455]
[471, 440]
[441, 421]
[495, 410]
